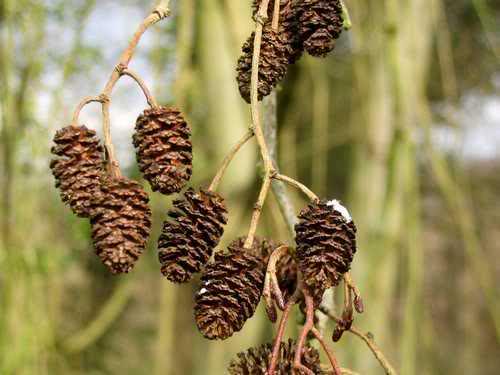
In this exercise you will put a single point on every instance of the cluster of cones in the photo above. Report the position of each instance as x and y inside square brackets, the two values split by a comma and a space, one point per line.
[304, 25]
[232, 281]
[118, 206]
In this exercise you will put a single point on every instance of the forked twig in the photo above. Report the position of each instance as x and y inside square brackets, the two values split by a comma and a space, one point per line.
[377, 352]
[159, 13]
[261, 18]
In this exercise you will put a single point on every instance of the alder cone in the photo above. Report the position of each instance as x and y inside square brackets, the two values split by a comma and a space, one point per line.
[163, 149]
[121, 223]
[326, 244]
[187, 240]
[320, 25]
[272, 64]
[287, 273]
[230, 291]
[256, 361]
[288, 26]
[77, 167]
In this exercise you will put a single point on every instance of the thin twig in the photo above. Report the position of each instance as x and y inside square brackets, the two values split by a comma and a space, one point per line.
[377, 352]
[279, 337]
[347, 314]
[149, 97]
[81, 105]
[344, 371]
[309, 324]
[227, 160]
[313, 197]
[257, 210]
[331, 357]
[358, 301]
[281, 329]
[160, 12]
[347, 296]
[276, 16]
[259, 135]
[271, 285]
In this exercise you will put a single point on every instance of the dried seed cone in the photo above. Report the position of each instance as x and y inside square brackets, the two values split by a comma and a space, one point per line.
[187, 240]
[326, 243]
[77, 166]
[230, 291]
[288, 27]
[256, 361]
[287, 272]
[320, 24]
[163, 149]
[121, 222]
[272, 64]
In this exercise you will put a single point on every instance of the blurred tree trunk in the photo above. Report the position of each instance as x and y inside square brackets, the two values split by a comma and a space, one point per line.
[375, 269]
[24, 322]
[9, 116]
[391, 72]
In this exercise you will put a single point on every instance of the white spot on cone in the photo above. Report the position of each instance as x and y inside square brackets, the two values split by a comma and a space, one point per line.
[338, 207]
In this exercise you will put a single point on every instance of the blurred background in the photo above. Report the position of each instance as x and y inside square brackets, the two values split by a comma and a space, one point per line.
[401, 122]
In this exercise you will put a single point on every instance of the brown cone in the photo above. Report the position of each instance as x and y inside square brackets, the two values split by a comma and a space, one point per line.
[326, 243]
[320, 24]
[189, 238]
[230, 291]
[77, 166]
[163, 149]
[287, 272]
[256, 361]
[272, 64]
[121, 222]
[288, 27]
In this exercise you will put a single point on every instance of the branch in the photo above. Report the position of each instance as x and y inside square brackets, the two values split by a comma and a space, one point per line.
[160, 12]
[377, 352]
[149, 97]
[261, 18]
[85, 101]
[313, 197]
[358, 301]
[227, 160]
[309, 324]
[331, 357]
[281, 329]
